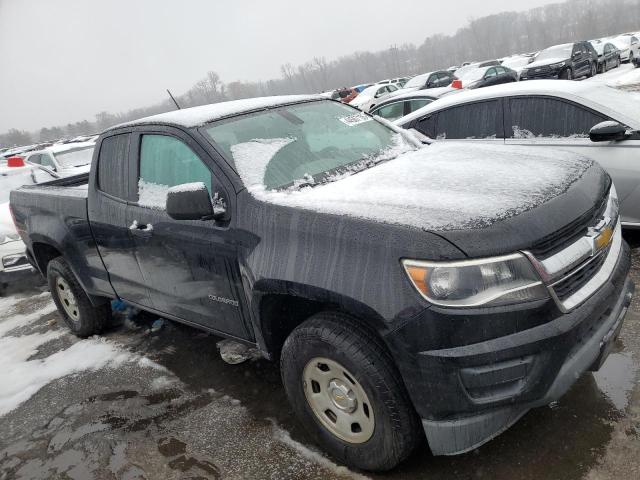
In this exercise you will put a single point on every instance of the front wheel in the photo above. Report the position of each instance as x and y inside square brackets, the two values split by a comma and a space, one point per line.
[593, 70]
[566, 74]
[344, 387]
[82, 318]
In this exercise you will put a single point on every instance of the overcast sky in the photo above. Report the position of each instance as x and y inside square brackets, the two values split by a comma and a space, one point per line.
[65, 60]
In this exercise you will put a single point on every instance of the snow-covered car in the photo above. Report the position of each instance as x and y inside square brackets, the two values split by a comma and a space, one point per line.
[13, 259]
[548, 114]
[371, 96]
[486, 76]
[629, 46]
[566, 61]
[608, 55]
[440, 78]
[60, 160]
[404, 103]
[517, 63]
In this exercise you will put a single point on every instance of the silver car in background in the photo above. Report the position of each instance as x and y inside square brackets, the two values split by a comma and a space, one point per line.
[597, 121]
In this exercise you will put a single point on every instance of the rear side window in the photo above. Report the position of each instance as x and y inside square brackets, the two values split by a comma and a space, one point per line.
[166, 162]
[533, 117]
[391, 112]
[416, 104]
[113, 172]
[481, 120]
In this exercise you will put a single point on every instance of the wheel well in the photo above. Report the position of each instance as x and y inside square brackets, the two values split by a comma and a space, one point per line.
[43, 253]
[281, 313]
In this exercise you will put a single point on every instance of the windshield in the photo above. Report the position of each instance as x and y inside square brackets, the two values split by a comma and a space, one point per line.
[75, 158]
[417, 81]
[560, 52]
[516, 62]
[302, 144]
[471, 75]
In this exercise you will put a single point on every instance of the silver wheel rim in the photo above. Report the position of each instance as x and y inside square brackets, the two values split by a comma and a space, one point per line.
[338, 400]
[67, 299]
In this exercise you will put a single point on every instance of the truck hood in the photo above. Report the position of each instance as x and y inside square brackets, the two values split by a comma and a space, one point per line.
[461, 191]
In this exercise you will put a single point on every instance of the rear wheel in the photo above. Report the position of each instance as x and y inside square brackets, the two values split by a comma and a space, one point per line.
[345, 388]
[593, 71]
[603, 68]
[82, 318]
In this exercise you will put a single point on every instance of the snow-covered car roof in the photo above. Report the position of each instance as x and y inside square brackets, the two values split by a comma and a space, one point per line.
[65, 147]
[197, 116]
[621, 106]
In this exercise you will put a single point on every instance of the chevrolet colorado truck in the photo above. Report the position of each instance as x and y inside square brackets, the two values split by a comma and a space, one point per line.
[408, 292]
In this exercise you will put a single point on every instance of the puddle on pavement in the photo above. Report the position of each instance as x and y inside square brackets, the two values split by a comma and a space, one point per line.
[616, 378]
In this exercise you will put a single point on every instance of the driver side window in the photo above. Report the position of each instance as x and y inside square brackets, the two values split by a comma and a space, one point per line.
[166, 162]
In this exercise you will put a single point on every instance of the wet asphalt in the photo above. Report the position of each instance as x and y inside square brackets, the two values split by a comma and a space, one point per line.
[175, 410]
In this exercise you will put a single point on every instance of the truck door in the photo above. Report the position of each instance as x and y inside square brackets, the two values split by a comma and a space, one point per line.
[191, 266]
[108, 215]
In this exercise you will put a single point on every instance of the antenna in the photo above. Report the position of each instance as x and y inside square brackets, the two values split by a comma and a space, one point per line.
[174, 100]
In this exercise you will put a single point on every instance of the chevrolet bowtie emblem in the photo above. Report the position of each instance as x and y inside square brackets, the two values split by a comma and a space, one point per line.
[601, 236]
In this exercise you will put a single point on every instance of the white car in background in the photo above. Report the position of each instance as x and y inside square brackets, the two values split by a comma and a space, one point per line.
[597, 121]
[60, 160]
[13, 258]
[629, 46]
[371, 96]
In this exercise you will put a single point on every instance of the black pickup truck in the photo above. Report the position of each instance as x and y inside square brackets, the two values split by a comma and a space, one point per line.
[406, 290]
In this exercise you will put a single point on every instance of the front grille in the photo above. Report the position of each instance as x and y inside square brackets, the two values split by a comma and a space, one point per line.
[579, 278]
[538, 72]
[559, 239]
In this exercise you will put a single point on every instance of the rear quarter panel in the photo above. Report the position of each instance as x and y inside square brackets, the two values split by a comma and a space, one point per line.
[57, 217]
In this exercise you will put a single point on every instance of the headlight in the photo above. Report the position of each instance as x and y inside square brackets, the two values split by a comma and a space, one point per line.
[557, 65]
[471, 283]
[8, 237]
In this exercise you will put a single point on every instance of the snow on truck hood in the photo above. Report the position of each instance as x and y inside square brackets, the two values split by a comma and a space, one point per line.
[443, 187]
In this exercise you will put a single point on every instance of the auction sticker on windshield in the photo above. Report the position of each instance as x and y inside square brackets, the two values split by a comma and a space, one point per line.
[355, 119]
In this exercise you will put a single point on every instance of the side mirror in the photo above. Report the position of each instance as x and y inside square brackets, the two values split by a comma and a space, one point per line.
[607, 132]
[191, 201]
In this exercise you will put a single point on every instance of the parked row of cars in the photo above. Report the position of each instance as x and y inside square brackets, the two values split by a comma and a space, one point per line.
[567, 61]
[32, 165]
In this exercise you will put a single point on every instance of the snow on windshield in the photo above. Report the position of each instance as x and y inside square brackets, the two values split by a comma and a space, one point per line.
[471, 75]
[443, 187]
[253, 157]
[560, 52]
[417, 81]
[75, 158]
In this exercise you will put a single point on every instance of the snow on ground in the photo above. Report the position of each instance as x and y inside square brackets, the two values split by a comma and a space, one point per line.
[622, 76]
[283, 436]
[22, 375]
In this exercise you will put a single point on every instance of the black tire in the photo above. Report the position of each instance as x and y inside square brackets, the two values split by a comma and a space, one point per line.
[631, 58]
[90, 319]
[566, 74]
[593, 69]
[341, 339]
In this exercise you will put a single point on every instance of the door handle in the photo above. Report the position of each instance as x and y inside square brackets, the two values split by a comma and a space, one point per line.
[144, 230]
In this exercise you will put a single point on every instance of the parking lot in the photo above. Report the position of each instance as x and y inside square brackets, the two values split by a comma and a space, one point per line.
[163, 404]
[471, 269]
